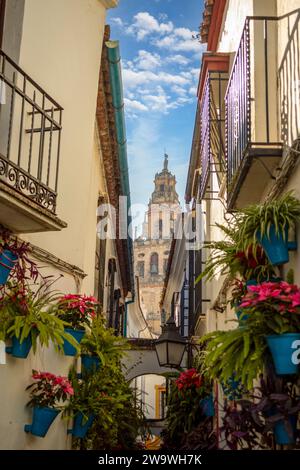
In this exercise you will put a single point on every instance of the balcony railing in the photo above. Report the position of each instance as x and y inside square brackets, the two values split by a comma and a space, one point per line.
[212, 118]
[251, 105]
[30, 134]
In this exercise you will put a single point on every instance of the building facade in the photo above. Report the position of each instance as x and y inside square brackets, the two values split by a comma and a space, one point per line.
[152, 248]
[62, 156]
[245, 146]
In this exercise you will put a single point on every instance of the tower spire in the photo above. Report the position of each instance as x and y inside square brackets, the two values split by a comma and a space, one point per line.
[166, 162]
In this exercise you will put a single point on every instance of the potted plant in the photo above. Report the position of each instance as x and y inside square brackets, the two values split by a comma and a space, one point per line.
[268, 224]
[14, 258]
[46, 393]
[189, 403]
[101, 346]
[27, 316]
[84, 404]
[229, 257]
[274, 307]
[77, 311]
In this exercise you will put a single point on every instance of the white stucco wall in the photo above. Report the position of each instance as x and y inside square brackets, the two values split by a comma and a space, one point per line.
[61, 47]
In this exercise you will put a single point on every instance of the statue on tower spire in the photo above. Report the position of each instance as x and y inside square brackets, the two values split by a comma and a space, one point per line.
[166, 162]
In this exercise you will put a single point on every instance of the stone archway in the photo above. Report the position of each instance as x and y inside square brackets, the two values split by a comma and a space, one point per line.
[142, 360]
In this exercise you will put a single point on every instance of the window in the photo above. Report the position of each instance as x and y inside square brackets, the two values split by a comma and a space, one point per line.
[154, 263]
[166, 264]
[162, 187]
[140, 267]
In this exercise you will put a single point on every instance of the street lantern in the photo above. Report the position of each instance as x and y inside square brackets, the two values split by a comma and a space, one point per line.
[170, 346]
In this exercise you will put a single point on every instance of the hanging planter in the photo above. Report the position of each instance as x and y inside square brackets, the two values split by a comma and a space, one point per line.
[8, 260]
[42, 419]
[285, 431]
[81, 425]
[90, 363]
[284, 352]
[68, 348]
[275, 245]
[207, 405]
[18, 349]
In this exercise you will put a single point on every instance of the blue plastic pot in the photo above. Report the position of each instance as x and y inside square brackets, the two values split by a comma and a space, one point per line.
[90, 363]
[232, 388]
[20, 350]
[80, 429]
[283, 349]
[207, 405]
[275, 246]
[41, 421]
[281, 431]
[7, 261]
[241, 316]
[68, 348]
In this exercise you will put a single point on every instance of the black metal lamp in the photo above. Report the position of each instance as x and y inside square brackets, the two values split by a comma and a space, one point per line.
[170, 346]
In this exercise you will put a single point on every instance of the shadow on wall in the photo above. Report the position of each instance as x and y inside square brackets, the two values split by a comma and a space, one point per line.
[289, 81]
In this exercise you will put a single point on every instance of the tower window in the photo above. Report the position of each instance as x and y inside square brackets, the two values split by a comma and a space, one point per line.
[154, 263]
[140, 268]
[162, 187]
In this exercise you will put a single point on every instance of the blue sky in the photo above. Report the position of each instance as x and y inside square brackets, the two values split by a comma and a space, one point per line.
[160, 67]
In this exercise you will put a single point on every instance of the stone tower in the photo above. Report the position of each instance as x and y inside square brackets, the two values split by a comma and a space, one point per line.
[151, 249]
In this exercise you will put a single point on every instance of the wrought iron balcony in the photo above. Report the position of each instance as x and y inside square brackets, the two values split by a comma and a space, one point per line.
[212, 134]
[253, 147]
[30, 134]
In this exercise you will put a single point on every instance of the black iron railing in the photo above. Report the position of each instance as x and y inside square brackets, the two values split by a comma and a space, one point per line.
[212, 151]
[205, 114]
[30, 134]
[238, 110]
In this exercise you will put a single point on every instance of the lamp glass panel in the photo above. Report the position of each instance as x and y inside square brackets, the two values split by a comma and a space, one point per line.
[161, 349]
[176, 351]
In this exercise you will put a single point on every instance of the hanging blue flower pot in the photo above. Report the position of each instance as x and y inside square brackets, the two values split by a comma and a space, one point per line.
[207, 405]
[232, 388]
[20, 350]
[285, 350]
[42, 419]
[68, 348]
[81, 425]
[275, 246]
[90, 363]
[7, 261]
[285, 434]
[241, 315]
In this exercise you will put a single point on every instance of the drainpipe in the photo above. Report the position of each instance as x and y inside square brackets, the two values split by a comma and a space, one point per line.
[127, 302]
[114, 59]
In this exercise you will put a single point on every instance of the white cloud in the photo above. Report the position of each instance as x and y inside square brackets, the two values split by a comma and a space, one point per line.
[178, 90]
[178, 59]
[134, 105]
[179, 40]
[145, 24]
[147, 60]
[132, 78]
[162, 16]
[193, 91]
[117, 21]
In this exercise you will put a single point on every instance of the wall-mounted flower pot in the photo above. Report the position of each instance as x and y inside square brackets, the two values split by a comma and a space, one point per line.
[275, 246]
[89, 363]
[284, 352]
[20, 350]
[232, 388]
[41, 421]
[284, 433]
[207, 405]
[81, 425]
[241, 315]
[7, 261]
[68, 348]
